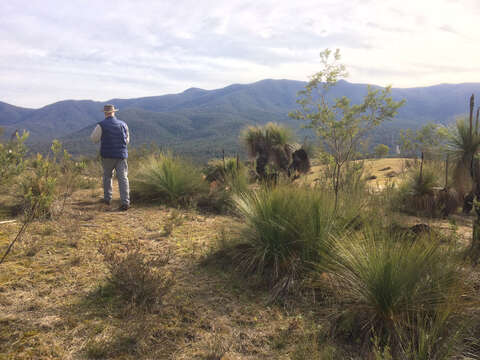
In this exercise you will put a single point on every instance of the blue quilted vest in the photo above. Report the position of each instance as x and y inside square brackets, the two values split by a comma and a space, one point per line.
[114, 138]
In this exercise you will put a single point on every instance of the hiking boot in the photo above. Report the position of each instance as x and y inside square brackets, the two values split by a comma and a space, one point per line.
[124, 207]
[105, 201]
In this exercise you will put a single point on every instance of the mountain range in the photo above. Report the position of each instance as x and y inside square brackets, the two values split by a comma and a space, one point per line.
[200, 123]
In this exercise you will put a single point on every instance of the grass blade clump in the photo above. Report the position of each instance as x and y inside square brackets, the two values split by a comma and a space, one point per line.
[287, 228]
[417, 195]
[385, 285]
[168, 179]
[230, 174]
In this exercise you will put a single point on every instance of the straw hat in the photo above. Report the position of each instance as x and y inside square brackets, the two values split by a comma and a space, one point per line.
[109, 108]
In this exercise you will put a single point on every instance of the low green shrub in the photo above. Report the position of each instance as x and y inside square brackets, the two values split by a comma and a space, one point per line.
[220, 170]
[287, 229]
[226, 179]
[419, 195]
[38, 187]
[168, 179]
[387, 287]
[46, 182]
[12, 158]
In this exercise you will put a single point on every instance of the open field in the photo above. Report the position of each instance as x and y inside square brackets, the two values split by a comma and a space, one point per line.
[56, 302]
[381, 171]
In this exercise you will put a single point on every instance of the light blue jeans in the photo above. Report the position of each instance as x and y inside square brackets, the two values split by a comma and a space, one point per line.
[121, 169]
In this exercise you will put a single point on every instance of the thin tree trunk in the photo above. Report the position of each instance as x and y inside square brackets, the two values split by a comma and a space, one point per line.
[446, 173]
[472, 104]
[336, 186]
[474, 251]
[476, 121]
[421, 169]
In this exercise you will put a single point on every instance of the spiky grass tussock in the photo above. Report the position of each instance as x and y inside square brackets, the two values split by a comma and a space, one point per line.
[462, 146]
[389, 287]
[286, 229]
[169, 179]
[423, 183]
[229, 173]
[417, 194]
[260, 139]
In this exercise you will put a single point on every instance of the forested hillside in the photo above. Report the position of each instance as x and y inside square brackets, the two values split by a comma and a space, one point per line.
[201, 123]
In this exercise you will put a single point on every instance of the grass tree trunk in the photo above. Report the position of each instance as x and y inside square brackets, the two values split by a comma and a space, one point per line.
[262, 161]
[446, 172]
[336, 183]
[474, 250]
[476, 121]
[420, 178]
[472, 105]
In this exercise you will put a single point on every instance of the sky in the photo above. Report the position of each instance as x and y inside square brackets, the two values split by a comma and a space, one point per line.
[51, 50]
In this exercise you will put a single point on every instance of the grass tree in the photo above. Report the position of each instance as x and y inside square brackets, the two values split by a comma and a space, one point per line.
[341, 125]
[463, 144]
[268, 144]
[465, 147]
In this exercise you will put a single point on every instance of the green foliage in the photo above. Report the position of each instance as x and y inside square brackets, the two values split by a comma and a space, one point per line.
[68, 171]
[381, 150]
[230, 173]
[462, 146]
[168, 179]
[49, 180]
[430, 139]
[270, 145]
[287, 228]
[38, 187]
[12, 156]
[433, 336]
[416, 194]
[226, 179]
[386, 285]
[423, 183]
[339, 124]
[259, 139]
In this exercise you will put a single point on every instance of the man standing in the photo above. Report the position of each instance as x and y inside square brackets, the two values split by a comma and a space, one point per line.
[114, 137]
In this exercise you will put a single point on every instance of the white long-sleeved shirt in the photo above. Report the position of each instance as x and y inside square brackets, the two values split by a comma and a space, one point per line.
[96, 135]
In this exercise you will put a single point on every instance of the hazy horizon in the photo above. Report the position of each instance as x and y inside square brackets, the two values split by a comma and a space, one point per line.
[194, 87]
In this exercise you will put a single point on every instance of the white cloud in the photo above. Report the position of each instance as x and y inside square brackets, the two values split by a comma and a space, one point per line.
[53, 49]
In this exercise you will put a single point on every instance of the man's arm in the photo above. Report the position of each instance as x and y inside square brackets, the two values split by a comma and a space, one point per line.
[128, 134]
[96, 135]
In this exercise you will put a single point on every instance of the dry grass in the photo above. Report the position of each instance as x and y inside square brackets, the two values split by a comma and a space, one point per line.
[56, 301]
[375, 167]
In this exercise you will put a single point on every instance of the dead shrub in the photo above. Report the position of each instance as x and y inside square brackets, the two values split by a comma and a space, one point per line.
[138, 277]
